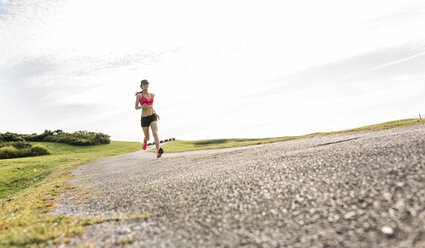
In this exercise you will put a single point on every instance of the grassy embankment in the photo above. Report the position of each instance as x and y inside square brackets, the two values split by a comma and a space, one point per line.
[28, 187]
[182, 146]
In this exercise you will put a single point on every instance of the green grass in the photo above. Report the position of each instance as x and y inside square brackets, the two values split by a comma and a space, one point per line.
[28, 187]
[20, 173]
[183, 146]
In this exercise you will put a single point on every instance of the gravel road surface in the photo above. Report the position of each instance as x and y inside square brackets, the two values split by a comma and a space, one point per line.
[364, 189]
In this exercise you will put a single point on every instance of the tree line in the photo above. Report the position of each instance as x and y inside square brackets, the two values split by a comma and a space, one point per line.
[14, 145]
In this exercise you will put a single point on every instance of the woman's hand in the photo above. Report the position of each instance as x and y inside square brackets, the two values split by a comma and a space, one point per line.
[157, 116]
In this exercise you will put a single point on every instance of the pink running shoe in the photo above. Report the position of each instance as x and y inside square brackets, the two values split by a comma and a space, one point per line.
[144, 146]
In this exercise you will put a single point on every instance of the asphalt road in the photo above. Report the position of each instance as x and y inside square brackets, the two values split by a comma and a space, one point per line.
[364, 189]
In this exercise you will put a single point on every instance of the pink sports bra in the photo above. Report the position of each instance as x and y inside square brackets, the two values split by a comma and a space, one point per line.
[144, 100]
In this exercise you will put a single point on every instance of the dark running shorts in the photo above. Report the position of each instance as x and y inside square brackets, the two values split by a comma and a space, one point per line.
[147, 120]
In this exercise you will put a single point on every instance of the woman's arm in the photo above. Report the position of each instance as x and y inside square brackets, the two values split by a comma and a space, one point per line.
[157, 116]
[137, 102]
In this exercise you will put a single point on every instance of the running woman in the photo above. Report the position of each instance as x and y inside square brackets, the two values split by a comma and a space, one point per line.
[149, 116]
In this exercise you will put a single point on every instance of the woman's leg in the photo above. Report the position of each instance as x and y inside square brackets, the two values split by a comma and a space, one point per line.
[146, 132]
[154, 127]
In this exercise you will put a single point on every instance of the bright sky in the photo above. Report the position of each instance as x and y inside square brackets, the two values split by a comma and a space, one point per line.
[219, 69]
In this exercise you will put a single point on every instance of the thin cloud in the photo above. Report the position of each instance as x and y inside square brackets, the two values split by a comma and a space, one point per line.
[349, 69]
[411, 12]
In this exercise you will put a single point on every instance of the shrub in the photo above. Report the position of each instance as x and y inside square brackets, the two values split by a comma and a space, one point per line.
[101, 138]
[16, 144]
[37, 150]
[21, 145]
[39, 137]
[8, 137]
[80, 138]
[9, 152]
[23, 153]
[12, 152]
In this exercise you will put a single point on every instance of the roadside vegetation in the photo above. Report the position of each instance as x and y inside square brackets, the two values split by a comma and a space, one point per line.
[183, 146]
[28, 187]
[13, 145]
[79, 138]
[21, 149]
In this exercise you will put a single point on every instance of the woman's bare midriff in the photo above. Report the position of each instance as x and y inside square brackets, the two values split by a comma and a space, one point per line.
[147, 110]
